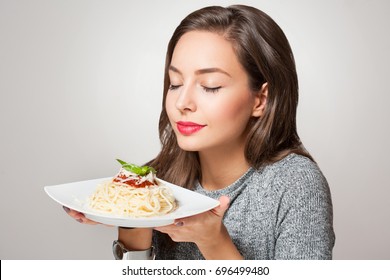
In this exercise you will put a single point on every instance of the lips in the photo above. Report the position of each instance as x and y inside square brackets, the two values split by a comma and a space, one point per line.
[188, 128]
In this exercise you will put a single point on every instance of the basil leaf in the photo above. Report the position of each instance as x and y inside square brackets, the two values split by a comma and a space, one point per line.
[139, 170]
[121, 161]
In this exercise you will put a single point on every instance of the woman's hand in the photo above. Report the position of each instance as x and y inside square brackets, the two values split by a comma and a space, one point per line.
[79, 216]
[207, 231]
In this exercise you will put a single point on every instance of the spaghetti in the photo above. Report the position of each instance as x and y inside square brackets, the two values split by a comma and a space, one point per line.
[132, 195]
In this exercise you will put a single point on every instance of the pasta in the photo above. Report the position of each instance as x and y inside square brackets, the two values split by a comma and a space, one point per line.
[132, 195]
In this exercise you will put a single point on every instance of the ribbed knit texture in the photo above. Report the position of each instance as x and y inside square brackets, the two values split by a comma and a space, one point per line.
[282, 211]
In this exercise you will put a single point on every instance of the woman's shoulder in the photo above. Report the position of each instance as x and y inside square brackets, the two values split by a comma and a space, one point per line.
[292, 165]
[298, 195]
[292, 172]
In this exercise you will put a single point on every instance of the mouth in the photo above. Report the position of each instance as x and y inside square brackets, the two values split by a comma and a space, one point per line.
[188, 128]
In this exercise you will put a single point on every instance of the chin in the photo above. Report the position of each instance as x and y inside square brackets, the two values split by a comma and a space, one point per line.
[188, 148]
[189, 145]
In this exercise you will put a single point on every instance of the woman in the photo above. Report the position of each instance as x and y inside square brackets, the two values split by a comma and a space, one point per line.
[228, 131]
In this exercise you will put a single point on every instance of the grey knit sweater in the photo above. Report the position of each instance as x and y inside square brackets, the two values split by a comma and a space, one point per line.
[282, 211]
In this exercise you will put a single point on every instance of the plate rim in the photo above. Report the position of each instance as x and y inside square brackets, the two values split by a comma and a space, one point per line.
[133, 221]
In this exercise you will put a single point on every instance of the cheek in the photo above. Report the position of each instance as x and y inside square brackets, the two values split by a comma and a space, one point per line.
[230, 110]
[170, 105]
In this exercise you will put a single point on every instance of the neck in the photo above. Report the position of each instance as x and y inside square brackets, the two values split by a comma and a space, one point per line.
[221, 169]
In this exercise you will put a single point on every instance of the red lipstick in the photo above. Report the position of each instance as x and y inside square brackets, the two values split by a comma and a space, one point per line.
[188, 128]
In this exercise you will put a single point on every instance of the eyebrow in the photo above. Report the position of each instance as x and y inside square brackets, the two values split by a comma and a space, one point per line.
[200, 71]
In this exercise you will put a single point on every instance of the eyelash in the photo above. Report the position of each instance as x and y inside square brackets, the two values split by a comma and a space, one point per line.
[211, 90]
[206, 89]
[173, 87]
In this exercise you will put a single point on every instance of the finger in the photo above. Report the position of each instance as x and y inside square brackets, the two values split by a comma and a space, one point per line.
[223, 206]
[86, 221]
[179, 223]
[80, 217]
[172, 232]
[73, 213]
[165, 229]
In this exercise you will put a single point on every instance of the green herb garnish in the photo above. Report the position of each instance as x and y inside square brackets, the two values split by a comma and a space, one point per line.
[139, 170]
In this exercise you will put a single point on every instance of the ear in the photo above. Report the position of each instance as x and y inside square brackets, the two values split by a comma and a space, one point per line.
[260, 101]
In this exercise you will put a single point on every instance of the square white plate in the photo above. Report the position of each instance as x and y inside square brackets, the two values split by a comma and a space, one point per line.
[74, 196]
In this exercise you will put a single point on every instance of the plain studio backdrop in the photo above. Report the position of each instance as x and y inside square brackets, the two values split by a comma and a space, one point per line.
[81, 85]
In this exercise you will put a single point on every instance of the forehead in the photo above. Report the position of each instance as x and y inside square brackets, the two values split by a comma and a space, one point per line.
[203, 49]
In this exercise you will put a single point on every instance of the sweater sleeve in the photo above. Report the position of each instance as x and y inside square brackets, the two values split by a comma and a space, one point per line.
[304, 227]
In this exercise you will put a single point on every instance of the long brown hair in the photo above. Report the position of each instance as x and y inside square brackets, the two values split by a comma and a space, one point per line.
[265, 53]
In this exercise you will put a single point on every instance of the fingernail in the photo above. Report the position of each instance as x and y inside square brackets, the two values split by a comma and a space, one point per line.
[66, 209]
[80, 220]
[179, 224]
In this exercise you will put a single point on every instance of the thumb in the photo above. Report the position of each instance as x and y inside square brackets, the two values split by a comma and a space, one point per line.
[223, 206]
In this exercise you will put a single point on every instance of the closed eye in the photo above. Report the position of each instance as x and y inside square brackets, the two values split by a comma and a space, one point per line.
[173, 87]
[211, 89]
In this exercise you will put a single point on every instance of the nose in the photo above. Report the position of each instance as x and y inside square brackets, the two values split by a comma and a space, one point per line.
[186, 99]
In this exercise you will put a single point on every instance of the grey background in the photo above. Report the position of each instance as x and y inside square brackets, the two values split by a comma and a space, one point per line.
[81, 85]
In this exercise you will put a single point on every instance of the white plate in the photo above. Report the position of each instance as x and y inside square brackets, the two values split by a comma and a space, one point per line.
[74, 196]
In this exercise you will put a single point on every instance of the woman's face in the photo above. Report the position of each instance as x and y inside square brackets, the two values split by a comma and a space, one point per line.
[209, 102]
